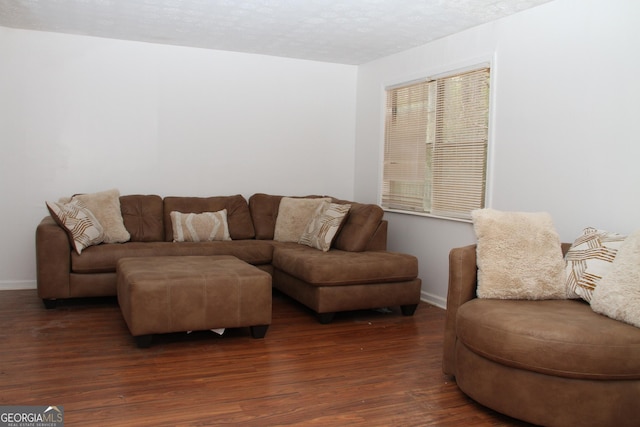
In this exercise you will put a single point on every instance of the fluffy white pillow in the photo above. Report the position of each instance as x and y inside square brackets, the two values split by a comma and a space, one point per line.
[519, 255]
[588, 260]
[293, 216]
[81, 225]
[324, 225]
[105, 205]
[618, 293]
[206, 226]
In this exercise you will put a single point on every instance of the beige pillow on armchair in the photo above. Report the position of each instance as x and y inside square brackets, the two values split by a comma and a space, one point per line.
[519, 256]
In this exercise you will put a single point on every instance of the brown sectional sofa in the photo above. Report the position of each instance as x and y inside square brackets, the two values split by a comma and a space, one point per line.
[357, 273]
[548, 362]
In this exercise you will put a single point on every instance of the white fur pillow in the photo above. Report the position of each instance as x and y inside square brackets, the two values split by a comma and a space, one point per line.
[293, 216]
[105, 205]
[618, 293]
[324, 225]
[519, 255]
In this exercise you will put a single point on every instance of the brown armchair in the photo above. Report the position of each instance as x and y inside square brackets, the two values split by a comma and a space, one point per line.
[551, 362]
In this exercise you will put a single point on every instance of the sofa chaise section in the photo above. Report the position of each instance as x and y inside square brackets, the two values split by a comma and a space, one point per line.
[334, 281]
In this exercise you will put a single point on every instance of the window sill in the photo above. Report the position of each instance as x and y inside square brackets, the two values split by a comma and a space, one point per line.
[427, 215]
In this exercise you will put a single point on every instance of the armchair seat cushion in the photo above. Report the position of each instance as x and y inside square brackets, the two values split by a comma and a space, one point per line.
[555, 337]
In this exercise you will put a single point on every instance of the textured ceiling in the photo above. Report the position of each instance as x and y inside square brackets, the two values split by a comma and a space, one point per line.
[342, 31]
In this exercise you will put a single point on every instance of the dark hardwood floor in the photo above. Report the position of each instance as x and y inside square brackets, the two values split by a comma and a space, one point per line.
[366, 368]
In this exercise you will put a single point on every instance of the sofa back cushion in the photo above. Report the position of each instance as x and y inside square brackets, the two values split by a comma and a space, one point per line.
[359, 227]
[142, 215]
[354, 236]
[238, 215]
[264, 212]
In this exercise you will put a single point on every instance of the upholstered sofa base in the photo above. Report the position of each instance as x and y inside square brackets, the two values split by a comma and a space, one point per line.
[356, 273]
[544, 399]
[325, 301]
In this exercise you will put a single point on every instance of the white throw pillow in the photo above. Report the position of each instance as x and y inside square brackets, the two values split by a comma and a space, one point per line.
[105, 205]
[588, 260]
[519, 256]
[293, 216]
[206, 226]
[618, 293]
[324, 225]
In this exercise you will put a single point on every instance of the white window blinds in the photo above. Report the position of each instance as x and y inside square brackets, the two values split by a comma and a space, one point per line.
[435, 155]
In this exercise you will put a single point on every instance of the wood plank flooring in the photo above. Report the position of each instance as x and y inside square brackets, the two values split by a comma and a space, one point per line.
[366, 368]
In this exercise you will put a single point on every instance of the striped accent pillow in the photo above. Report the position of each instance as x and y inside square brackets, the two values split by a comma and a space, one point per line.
[206, 226]
[589, 259]
[618, 294]
[81, 225]
[324, 225]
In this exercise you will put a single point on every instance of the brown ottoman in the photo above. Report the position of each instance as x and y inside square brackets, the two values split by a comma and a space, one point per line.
[190, 293]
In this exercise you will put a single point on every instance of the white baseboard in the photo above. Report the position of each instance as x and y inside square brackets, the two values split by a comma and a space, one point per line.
[12, 285]
[433, 299]
[9, 285]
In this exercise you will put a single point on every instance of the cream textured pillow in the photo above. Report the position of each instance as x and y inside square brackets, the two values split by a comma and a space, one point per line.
[105, 205]
[519, 255]
[588, 260]
[293, 216]
[81, 225]
[618, 293]
[206, 226]
[324, 225]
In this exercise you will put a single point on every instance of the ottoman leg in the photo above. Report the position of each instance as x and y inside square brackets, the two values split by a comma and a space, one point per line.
[143, 341]
[408, 310]
[259, 331]
[326, 318]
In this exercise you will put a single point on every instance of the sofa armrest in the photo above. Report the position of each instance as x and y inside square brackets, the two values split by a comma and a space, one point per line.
[463, 274]
[53, 260]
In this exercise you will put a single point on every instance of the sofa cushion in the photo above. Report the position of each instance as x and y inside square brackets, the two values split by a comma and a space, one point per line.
[360, 225]
[294, 214]
[105, 205]
[589, 259]
[202, 227]
[264, 211]
[519, 255]
[355, 234]
[103, 258]
[81, 226]
[554, 337]
[323, 226]
[238, 215]
[618, 294]
[342, 267]
[142, 215]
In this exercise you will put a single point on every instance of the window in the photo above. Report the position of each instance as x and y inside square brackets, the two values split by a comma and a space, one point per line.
[435, 148]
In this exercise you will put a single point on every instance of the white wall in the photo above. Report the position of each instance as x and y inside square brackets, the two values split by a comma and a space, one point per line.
[83, 114]
[565, 130]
